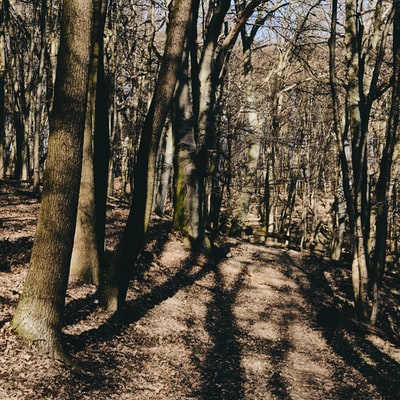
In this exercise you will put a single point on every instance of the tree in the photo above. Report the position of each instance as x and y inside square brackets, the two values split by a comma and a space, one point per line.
[31, 36]
[197, 182]
[277, 128]
[117, 278]
[134, 32]
[187, 206]
[366, 35]
[248, 37]
[88, 251]
[38, 317]
[385, 171]
[2, 94]
[166, 166]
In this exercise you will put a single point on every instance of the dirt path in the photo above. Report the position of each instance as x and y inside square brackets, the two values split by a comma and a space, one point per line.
[250, 327]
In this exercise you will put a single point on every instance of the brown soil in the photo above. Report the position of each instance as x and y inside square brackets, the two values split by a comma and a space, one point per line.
[259, 323]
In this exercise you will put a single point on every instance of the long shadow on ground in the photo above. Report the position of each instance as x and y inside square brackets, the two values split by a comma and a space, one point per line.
[121, 321]
[139, 307]
[222, 374]
[78, 310]
[345, 336]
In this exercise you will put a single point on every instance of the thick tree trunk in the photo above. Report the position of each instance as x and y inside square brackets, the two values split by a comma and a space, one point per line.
[87, 251]
[113, 292]
[355, 171]
[187, 211]
[38, 316]
[253, 155]
[85, 256]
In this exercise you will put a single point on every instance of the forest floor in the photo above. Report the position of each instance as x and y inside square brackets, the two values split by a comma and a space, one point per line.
[259, 323]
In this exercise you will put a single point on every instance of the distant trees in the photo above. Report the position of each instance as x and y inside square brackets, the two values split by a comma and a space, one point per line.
[198, 136]
[384, 186]
[278, 173]
[29, 70]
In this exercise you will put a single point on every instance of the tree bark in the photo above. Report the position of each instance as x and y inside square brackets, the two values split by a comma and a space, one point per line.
[2, 93]
[101, 144]
[88, 248]
[356, 159]
[340, 199]
[187, 211]
[38, 317]
[166, 173]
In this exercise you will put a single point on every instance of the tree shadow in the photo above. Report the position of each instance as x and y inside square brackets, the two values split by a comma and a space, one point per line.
[79, 309]
[14, 252]
[222, 370]
[97, 371]
[347, 337]
[278, 350]
[222, 373]
[138, 308]
[10, 304]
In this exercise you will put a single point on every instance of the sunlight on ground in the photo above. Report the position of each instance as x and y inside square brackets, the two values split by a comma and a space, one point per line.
[385, 347]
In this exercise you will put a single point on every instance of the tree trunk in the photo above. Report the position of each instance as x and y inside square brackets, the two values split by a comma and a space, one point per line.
[113, 292]
[383, 185]
[85, 256]
[354, 159]
[187, 212]
[339, 210]
[101, 144]
[87, 251]
[166, 173]
[253, 154]
[340, 199]
[208, 79]
[361, 91]
[40, 103]
[211, 73]
[2, 93]
[38, 317]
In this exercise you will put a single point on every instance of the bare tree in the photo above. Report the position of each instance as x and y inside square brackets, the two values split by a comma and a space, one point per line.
[366, 36]
[39, 313]
[115, 287]
[88, 250]
[385, 171]
[2, 94]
